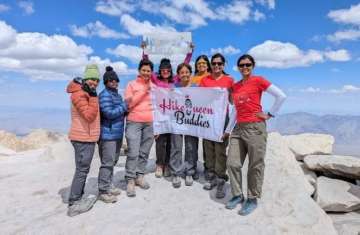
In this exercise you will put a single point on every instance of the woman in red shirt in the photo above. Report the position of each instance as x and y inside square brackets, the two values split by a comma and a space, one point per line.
[249, 136]
[215, 152]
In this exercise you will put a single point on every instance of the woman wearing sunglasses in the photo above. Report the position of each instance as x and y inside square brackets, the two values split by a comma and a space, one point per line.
[215, 152]
[249, 136]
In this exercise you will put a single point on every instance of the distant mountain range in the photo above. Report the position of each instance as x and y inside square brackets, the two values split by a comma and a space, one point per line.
[345, 129]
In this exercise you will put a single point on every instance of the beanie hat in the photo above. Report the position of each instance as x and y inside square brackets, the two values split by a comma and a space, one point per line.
[165, 64]
[91, 72]
[110, 75]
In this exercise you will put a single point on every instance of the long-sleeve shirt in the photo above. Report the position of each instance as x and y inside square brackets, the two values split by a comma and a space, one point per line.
[139, 101]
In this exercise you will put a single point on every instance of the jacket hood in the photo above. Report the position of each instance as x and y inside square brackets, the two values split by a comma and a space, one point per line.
[73, 87]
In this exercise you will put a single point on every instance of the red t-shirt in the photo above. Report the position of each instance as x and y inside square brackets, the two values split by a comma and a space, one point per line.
[247, 98]
[224, 82]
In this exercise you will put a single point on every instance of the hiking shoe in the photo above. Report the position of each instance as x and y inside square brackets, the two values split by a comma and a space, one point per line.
[166, 172]
[159, 171]
[107, 197]
[188, 180]
[232, 203]
[210, 184]
[130, 188]
[114, 191]
[196, 176]
[81, 206]
[249, 206]
[140, 181]
[176, 182]
[220, 189]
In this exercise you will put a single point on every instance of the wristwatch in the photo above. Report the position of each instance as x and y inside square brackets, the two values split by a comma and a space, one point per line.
[269, 114]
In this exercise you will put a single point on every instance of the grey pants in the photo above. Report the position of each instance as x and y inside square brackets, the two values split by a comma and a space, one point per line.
[109, 151]
[84, 152]
[175, 161]
[162, 147]
[191, 154]
[139, 137]
[215, 157]
[247, 139]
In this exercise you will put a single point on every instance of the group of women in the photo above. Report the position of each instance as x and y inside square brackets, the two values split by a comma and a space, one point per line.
[245, 130]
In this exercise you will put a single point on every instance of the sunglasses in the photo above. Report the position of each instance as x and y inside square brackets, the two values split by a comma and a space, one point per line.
[217, 63]
[247, 65]
[199, 63]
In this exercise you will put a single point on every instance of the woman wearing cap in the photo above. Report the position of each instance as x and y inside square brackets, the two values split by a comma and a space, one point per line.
[84, 133]
[215, 152]
[139, 128]
[112, 110]
[249, 136]
[165, 79]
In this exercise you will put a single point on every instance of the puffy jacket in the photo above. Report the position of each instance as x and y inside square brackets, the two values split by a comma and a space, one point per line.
[85, 115]
[112, 111]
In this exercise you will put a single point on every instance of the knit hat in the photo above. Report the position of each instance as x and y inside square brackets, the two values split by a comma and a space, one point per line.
[110, 75]
[165, 64]
[91, 72]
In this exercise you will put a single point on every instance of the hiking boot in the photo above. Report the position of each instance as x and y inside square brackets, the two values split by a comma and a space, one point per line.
[114, 191]
[167, 172]
[249, 206]
[210, 184]
[81, 206]
[107, 197]
[140, 181]
[232, 203]
[220, 189]
[159, 171]
[188, 180]
[176, 182]
[130, 188]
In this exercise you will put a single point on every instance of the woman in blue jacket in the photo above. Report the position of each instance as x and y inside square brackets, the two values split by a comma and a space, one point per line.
[112, 111]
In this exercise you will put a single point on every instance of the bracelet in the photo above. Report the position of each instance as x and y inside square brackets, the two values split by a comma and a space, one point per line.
[269, 114]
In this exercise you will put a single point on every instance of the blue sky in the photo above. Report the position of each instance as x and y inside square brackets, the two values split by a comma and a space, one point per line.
[309, 49]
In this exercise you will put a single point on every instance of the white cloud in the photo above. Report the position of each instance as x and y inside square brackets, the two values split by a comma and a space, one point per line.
[7, 35]
[96, 29]
[27, 6]
[269, 3]
[138, 28]
[345, 89]
[347, 16]
[228, 50]
[311, 90]
[40, 56]
[131, 52]
[335, 70]
[114, 7]
[339, 55]
[275, 54]
[4, 8]
[259, 16]
[236, 12]
[350, 35]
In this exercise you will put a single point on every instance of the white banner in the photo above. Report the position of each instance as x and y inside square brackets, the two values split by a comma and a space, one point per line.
[172, 45]
[194, 111]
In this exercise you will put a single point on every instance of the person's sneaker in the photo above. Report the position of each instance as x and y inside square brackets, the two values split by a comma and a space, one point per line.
[81, 206]
[107, 197]
[188, 180]
[130, 188]
[220, 189]
[140, 181]
[232, 203]
[210, 184]
[159, 171]
[249, 206]
[114, 191]
[176, 182]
